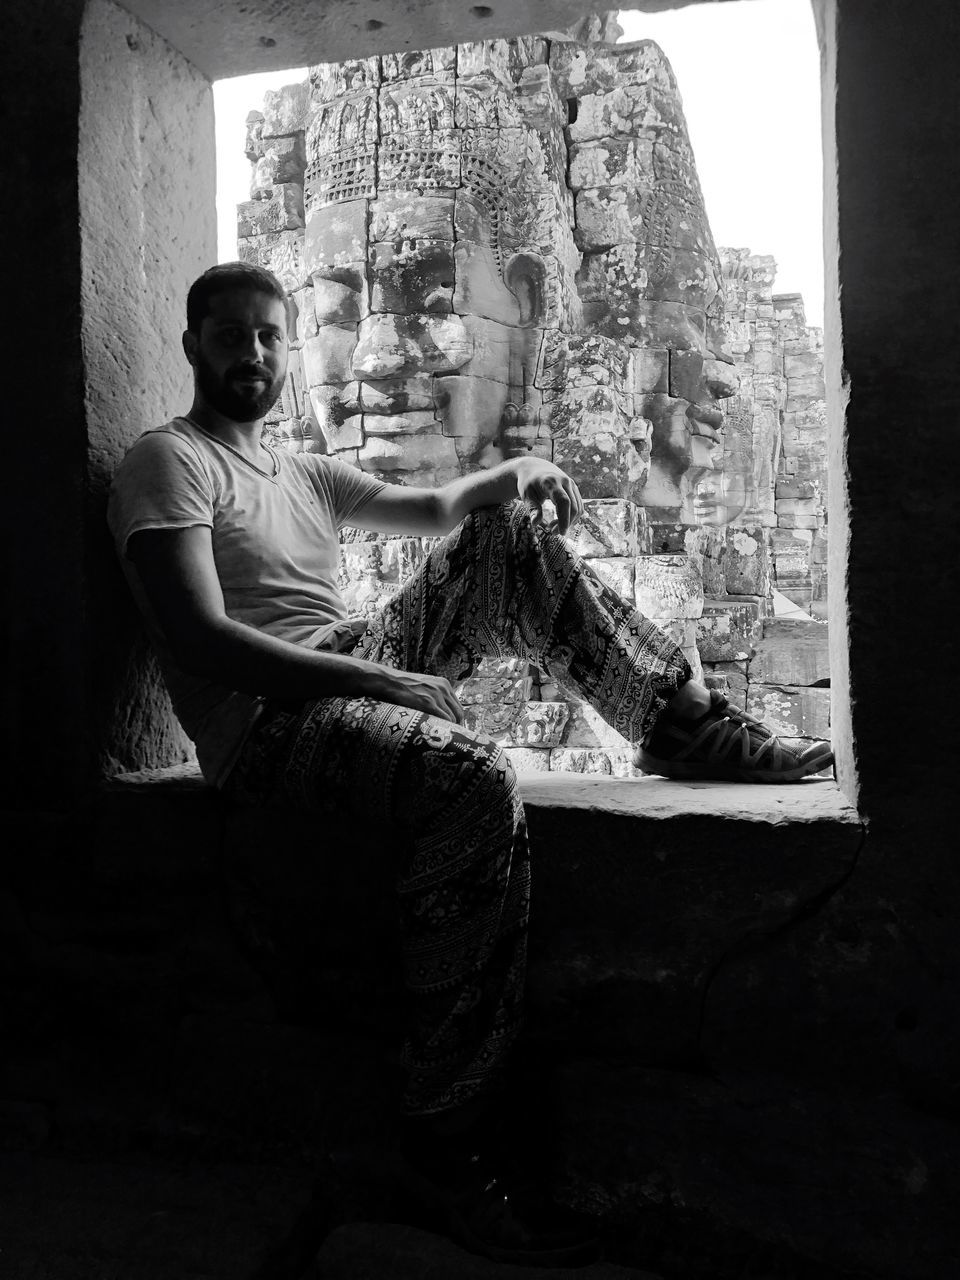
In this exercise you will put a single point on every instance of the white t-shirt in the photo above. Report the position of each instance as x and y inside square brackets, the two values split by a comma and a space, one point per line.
[275, 545]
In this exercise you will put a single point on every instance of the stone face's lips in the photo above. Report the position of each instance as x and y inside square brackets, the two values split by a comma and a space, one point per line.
[705, 422]
[394, 398]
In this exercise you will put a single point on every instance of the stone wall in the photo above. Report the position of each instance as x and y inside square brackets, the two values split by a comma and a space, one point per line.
[762, 634]
[502, 248]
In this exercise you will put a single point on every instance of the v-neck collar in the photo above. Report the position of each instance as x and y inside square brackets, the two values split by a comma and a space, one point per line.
[261, 471]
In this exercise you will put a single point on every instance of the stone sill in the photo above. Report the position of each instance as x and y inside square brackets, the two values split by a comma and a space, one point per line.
[814, 800]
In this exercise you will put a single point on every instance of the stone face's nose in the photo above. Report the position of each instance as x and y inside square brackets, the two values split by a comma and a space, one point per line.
[391, 345]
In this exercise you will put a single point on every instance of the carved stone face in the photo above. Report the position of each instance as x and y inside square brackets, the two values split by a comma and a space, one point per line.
[426, 295]
[458, 230]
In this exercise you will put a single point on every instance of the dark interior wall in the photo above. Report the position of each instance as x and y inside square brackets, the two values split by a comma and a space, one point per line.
[898, 174]
[45, 685]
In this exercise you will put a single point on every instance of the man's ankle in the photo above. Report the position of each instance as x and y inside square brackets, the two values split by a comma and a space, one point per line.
[691, 701]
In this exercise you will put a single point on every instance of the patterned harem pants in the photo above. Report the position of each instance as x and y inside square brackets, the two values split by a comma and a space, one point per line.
[495, 586]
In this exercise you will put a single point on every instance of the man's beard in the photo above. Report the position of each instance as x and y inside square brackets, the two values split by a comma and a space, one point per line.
[239, 402]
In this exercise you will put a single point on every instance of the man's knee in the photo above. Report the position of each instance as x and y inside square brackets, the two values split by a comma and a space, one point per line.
[467, 764]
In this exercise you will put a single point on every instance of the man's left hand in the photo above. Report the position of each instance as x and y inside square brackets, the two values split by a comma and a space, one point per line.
[540, 482]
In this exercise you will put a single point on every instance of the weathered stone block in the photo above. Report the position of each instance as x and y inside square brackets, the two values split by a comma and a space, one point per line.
[728, 678]
[280, 252]
[583, 360]
[527, 724]
[586, 412]
[608, 527]
[305, 316]
[621, 162]
[799, 522]
[616, 572]
[286, 110]
[651, 370]
[586, 728]
[338, 430]
[340, 295]
[398, 215]
[669, 586]
[281, 160]
[494, 666]
[494, 689]
[605, 466]
[411, 276]
[728, 632]
[632, 318]
[414, 453]
[328, 358]
[791, 711]
[633, 271]
[336, 235]
[283, 211]
[579, 760]
[474, 407]
[804, 489]
[409, 64]
[529, 759]
[806, 506]
[747, 563]
[792, 653]
[418, 422]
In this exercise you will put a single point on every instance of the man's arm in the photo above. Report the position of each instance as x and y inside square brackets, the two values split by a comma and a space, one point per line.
[399, 509]
[179, 577]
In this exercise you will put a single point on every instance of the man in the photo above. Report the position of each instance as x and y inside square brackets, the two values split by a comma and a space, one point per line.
[231, 550]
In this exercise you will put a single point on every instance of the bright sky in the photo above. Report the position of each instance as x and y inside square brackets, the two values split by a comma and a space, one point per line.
[749, 76]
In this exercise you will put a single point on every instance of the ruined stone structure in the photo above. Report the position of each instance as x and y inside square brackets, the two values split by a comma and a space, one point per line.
[502, 247]
[762, 633]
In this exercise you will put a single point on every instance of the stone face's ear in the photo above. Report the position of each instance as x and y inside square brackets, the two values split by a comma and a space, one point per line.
[525, 275]
[190, 342]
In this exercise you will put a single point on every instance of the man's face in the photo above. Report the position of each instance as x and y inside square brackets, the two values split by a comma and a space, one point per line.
[240, 354]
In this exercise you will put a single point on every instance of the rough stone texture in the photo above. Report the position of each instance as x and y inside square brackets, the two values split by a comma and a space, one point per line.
[776, 431]
[760, 1158]
[360, 1251]
[162, 1019]
[146, 1217]
[795, 653]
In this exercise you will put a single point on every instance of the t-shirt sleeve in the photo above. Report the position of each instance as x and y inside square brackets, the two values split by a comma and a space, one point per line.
[350, 487]
[161, 484]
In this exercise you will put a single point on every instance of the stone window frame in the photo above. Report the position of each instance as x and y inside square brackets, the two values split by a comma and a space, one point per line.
[192, 36]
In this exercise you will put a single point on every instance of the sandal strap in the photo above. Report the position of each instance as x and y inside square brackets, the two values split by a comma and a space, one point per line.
[720, 736]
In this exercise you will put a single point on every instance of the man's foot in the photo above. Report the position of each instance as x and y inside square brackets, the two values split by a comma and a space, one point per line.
[501, 1215]
[726, 745]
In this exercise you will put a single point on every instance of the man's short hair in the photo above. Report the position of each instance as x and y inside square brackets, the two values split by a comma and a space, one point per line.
[221, 279]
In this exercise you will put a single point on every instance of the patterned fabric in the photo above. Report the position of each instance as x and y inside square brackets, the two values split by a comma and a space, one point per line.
[496, 586]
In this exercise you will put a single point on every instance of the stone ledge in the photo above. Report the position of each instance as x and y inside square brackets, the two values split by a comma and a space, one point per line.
[811, 801]
[815, 800]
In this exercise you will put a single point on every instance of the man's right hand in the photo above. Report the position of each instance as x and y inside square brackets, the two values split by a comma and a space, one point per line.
[431, 694]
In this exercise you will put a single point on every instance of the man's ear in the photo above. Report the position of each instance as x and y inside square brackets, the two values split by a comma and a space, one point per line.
[525, 276]
[190, 342]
